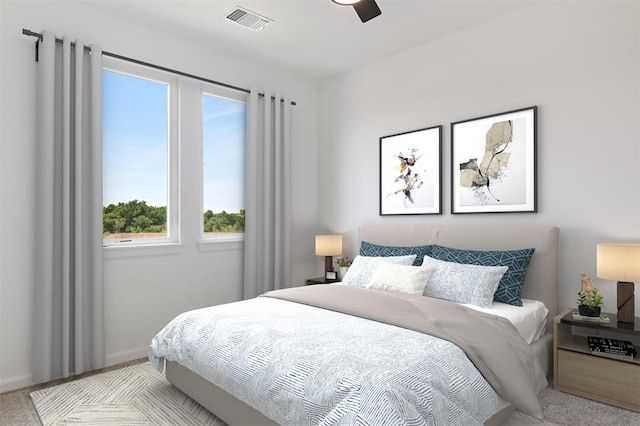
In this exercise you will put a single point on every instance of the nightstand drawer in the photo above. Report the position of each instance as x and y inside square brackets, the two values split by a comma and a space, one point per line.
[599, 377]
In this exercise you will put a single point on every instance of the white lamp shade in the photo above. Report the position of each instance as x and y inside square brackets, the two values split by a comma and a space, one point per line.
[346, 2]
[328, 245]
[618, 262]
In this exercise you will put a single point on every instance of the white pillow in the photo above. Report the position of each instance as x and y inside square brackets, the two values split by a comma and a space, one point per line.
[462, 283]
[401, 278]
[363, 267]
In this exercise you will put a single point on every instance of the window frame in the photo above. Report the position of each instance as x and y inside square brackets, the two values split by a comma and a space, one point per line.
[173, 150]
[211, 89]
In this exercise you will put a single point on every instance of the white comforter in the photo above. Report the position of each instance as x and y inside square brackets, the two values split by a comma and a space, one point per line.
[330, 368]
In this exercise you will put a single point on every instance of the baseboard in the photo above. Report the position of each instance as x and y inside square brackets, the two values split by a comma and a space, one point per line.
[126, 356]
[19, 382]
[15, 383]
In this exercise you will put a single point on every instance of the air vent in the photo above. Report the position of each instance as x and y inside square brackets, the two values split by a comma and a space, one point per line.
[248, 19]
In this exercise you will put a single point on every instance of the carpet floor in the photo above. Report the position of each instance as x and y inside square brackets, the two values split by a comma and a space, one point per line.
[138, 395]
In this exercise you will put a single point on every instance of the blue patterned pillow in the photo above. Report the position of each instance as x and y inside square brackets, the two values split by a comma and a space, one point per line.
[374, 250]
[510, 288]
[462, 282]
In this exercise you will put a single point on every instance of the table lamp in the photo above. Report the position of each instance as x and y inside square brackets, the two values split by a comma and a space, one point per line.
[620, 262]
[329, 246]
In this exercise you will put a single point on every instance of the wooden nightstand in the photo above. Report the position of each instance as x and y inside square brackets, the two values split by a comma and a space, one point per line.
[319, 280]
[614, 381]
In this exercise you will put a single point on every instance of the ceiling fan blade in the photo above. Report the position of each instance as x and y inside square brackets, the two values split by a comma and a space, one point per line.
[367, 9]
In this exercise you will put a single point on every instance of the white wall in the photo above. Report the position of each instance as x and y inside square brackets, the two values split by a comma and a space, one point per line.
[142, 293]
[579, 62]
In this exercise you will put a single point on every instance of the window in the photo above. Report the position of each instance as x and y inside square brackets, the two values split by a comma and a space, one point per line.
[173, 147]
[139, 108]
[223, 130]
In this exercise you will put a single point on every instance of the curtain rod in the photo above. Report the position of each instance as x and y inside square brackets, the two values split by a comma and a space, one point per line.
[147, 64]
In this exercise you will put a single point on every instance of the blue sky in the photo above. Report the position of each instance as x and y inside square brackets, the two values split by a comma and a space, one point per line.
[223, 152]
[135, 153]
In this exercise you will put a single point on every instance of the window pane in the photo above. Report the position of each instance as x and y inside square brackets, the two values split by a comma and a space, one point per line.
[135, 157]
[224, 122]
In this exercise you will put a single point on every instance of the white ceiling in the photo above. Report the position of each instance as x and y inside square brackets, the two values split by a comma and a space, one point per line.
[315, 38]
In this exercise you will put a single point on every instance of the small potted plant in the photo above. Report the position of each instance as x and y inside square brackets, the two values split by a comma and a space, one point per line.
[589, 298]
[343, 264]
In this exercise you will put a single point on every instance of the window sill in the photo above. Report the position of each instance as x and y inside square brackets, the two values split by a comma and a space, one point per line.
[141, 250]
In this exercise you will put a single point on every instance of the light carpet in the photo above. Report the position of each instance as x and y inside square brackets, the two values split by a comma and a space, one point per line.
[136, 395]
[140, 395]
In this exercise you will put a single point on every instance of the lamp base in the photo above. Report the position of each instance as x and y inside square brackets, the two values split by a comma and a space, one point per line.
[626, 308]
[328, 264]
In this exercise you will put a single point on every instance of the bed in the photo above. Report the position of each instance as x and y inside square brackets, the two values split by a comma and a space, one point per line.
[467, 398]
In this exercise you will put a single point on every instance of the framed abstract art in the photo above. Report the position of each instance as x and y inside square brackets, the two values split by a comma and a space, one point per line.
[411, 172]
[493, 163]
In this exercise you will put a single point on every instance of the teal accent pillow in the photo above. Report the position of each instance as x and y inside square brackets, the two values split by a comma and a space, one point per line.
[375, 250]
[510, 288]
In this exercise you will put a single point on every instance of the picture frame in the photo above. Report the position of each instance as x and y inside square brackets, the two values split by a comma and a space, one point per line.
[331, 275]
[493, 163]
[411, 172]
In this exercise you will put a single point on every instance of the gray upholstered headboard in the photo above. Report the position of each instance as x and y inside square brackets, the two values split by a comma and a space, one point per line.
[541, 281]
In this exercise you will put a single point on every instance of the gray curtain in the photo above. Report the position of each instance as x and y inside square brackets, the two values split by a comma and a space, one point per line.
[68, 295]
[267, 238]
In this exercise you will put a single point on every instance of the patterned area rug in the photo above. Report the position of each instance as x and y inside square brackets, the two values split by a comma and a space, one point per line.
[135, 395]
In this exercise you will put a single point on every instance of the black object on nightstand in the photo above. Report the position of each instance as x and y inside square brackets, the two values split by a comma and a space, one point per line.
[319, 280]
